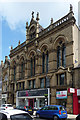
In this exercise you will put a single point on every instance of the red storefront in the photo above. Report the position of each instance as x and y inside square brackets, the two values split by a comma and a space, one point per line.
[76, 102]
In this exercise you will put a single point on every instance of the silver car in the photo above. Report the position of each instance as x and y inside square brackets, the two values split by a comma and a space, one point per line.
[14, 114]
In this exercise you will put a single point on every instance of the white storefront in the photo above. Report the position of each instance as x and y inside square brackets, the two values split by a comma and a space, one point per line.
[35, 98]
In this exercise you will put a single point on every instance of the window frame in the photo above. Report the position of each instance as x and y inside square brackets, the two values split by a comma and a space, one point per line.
[14, 72]
[58, 79]
[61, 55]
[33, 84]
[32, 66]
[30, 84]
[42, 82]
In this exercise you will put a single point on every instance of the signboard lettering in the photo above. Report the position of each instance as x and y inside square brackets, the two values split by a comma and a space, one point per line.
[61, 94]
[37, 92]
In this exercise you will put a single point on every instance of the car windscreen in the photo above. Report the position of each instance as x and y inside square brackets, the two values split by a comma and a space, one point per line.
[9, 105]
[3, 116]
[62, 108]
[21, 117]
[3, 105]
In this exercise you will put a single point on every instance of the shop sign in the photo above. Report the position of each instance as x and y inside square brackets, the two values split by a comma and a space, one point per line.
[61, 95]
[71, 90]
[37, 92]
[78, 92]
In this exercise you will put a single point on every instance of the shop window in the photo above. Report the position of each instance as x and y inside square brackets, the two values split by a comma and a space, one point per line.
[33, 83]
[61, 79]
[42, 102]
[42, 82]
[29, 84]
[32, 66]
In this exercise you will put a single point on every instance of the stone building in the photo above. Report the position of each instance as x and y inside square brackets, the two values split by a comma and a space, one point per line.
[5, 80]
[42, 68]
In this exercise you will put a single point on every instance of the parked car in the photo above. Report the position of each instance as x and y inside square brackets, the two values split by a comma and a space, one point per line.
[55, 112]
[25, 108]
[6, 106]
[14, 114]
[78, 117]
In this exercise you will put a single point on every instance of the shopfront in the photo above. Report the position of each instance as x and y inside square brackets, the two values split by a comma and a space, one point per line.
[76, 102]
[61, 97]
[34, 98]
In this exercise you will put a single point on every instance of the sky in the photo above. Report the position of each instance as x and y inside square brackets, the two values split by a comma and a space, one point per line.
[15, 13]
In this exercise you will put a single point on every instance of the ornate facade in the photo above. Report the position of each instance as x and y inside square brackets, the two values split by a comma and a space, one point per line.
[42, 66]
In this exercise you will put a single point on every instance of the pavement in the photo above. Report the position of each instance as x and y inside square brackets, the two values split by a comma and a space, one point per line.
[71, 117]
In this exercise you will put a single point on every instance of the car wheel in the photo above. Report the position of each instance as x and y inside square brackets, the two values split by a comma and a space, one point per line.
[55, 118]
[65, 118]
[37, 115]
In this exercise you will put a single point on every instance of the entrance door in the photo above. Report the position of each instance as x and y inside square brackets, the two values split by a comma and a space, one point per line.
[79, 105]
[31, 102]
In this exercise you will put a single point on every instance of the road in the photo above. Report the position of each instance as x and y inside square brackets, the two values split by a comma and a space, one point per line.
[34, 117]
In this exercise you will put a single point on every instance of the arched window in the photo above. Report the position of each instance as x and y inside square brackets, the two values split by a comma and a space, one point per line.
[32, 66]
[58, 56]
[14, 72]
[61, 53]
[22, 70]
[47, 61]
[43, 62]
[45, 58]
[63, 56]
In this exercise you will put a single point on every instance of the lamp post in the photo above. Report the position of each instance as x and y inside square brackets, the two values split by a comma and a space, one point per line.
[46, 99]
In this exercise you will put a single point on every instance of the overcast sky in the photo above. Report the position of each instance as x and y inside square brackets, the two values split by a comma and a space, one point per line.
[15, 13]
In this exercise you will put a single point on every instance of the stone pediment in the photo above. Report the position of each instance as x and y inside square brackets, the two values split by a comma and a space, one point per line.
[60, 70]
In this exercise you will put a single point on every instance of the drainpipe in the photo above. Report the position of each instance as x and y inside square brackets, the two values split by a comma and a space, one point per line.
[72, 87]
